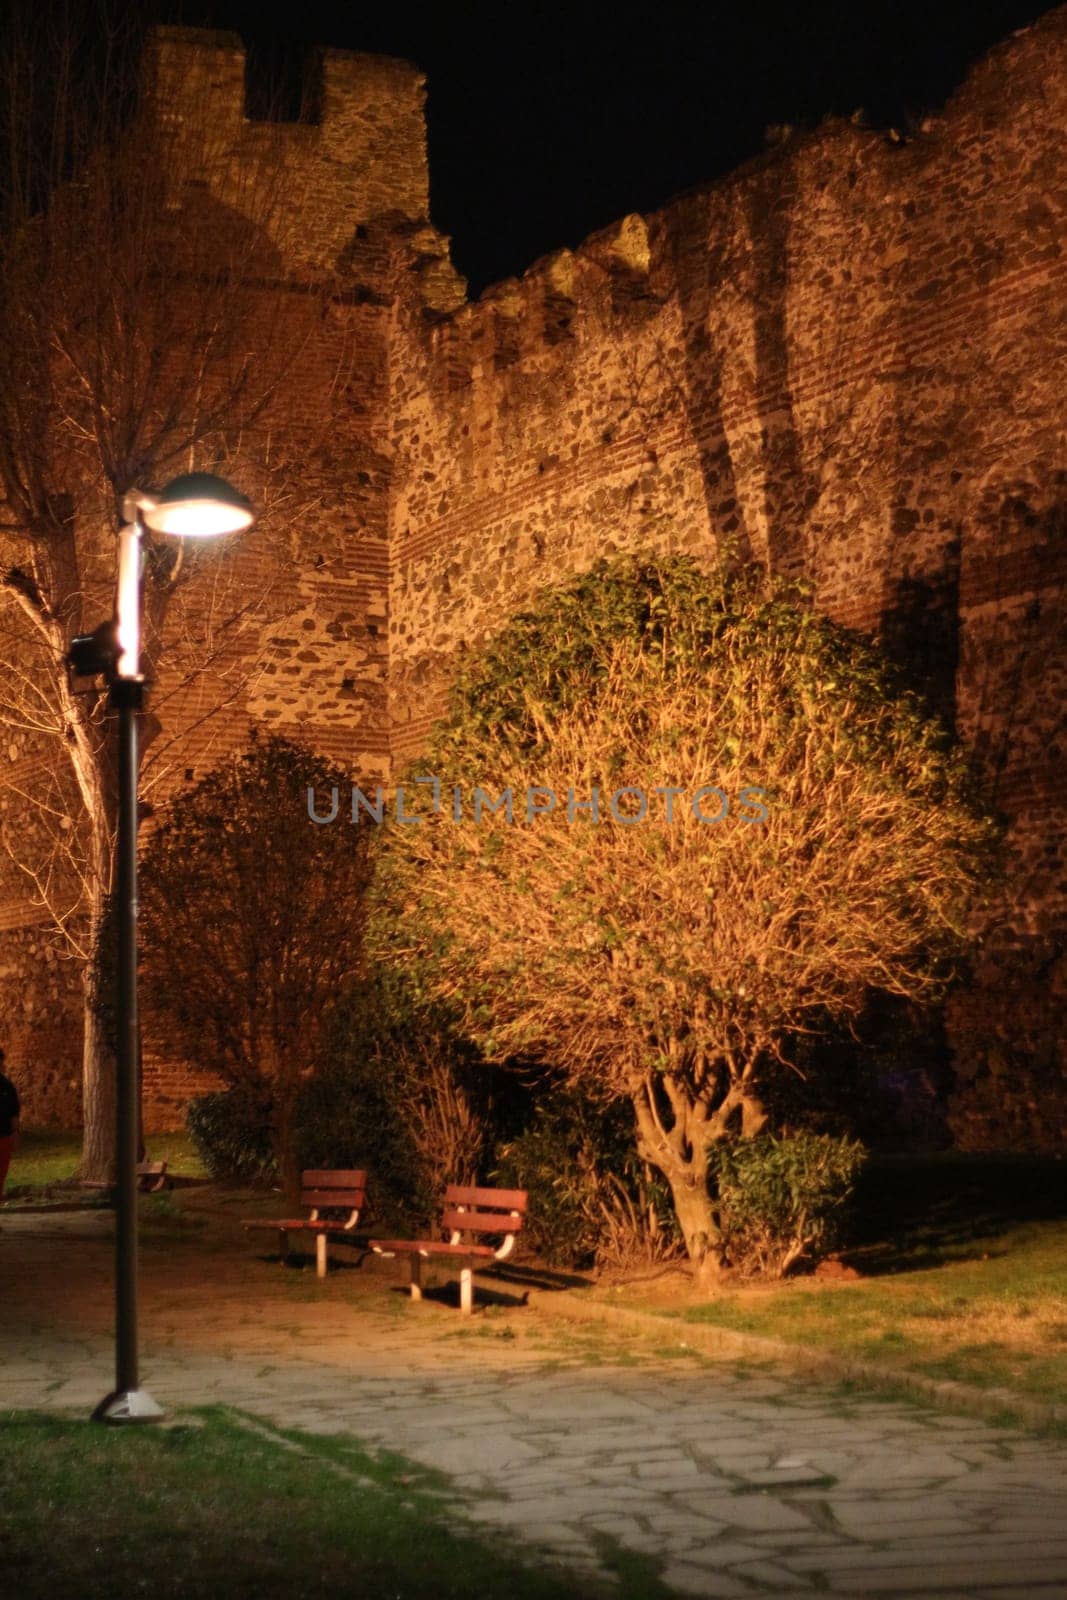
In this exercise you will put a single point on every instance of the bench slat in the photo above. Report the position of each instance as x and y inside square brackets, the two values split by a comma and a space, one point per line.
[327, 1178]
[458, 1194]
[430, 1247]
[480, 1222]
[330, 1198]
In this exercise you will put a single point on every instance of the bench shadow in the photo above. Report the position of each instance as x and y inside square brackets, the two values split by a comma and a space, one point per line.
[447, 1294]
[304, 1261]
[532, 1276]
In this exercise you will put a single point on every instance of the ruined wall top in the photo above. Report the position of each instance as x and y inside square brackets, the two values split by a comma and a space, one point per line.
[360, 163]
[1013, 96]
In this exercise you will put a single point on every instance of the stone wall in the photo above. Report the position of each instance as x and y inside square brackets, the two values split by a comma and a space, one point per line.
[285, 627]
[848, 358]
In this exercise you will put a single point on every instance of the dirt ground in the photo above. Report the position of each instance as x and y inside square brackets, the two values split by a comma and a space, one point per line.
[206, 1283]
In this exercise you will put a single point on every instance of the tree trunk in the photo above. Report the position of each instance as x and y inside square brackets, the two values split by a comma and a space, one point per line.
[99, 1066]
[98, 1092]
[696, 1217]
[680, 1154]
[93, 764]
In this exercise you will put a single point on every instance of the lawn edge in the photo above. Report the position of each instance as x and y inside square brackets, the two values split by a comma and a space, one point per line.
[995, 1405]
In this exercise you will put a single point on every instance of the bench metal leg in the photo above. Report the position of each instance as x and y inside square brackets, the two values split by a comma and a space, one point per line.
[466, 1291]
[320, 1254]
[283, 1244]
[416, 1275]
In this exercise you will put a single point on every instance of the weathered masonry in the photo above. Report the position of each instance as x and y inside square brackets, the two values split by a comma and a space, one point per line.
[849, 357]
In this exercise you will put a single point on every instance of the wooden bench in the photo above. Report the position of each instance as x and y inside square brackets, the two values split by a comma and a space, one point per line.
[151, 1176]
[469, 1216]
[333, 1201]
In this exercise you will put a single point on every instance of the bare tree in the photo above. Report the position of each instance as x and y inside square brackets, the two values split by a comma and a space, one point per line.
[133, 346]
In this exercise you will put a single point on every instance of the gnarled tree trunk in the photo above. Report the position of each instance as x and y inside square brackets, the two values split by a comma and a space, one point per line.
[680, 1152]
[679, 1147]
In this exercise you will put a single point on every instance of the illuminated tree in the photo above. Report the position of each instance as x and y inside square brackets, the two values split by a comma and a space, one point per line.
[664, 950]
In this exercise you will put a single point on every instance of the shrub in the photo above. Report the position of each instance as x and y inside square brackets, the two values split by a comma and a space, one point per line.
[344, 1118]
[592, 1201]
[252, 920]
[782, 1200]
[231, 1129]
[402, 1094]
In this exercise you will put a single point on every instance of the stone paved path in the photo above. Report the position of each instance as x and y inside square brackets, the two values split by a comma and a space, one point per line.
[740, 1484]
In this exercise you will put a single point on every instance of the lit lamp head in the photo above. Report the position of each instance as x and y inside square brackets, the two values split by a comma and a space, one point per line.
[197, 506]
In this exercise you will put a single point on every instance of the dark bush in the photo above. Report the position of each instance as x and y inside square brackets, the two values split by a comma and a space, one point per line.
[402, 1094]
[592, 1201]
[344, 1118]
[232, 1133]
[782, 1201]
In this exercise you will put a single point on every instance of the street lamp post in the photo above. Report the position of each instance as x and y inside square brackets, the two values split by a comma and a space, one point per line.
[196, 505]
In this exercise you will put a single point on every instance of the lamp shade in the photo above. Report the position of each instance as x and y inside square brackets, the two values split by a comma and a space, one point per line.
[199, 506]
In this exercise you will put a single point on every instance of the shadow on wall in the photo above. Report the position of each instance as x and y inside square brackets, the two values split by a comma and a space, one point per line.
[744, 274]
[920, 632]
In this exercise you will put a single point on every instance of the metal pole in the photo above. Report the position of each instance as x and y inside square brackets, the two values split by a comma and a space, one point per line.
[126, 1195]
[129, 1402]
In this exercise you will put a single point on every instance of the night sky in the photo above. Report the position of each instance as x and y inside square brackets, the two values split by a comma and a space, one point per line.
[548, 121]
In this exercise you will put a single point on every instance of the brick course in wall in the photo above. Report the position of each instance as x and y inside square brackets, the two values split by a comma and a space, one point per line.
[847, 358]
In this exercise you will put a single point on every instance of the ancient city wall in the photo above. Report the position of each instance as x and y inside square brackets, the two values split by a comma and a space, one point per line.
[287, 626]
[848, 358]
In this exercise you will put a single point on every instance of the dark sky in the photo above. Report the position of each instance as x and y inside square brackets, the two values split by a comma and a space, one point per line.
[547, 121]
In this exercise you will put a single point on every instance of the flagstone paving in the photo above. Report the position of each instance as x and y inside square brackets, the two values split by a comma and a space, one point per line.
[737, 1483]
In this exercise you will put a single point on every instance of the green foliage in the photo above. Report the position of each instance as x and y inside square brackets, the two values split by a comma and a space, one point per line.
[251, 914]
[865, 872]
[591, 1200]
[231, 1129]
[782, 1200]
[344, 1119]
[670, 962]
[676, 613]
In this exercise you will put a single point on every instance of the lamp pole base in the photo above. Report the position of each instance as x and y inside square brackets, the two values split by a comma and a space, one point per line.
[128, 1405]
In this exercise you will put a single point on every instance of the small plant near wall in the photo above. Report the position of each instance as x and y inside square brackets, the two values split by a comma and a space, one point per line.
[783, 1201]
[402, 1093]
[593, 1201]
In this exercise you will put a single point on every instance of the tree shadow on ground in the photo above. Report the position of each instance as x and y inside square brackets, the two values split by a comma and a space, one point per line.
[920, 1213]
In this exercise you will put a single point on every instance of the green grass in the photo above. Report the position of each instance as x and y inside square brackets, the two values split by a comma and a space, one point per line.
[46, 1157]
[963, 1263]
[220, 1505]
[992, 1314]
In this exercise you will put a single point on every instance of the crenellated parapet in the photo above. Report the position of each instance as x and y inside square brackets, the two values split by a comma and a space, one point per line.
[361, 159]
